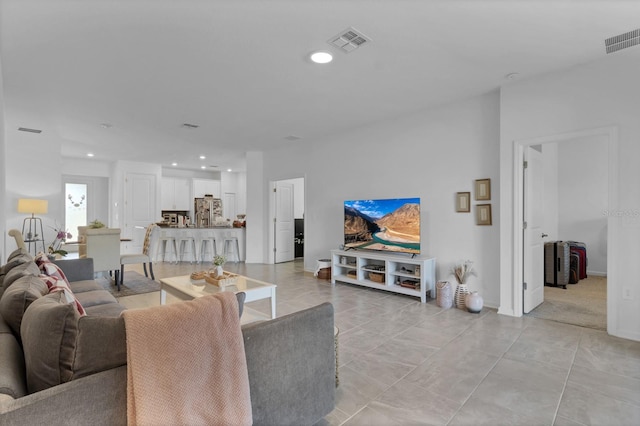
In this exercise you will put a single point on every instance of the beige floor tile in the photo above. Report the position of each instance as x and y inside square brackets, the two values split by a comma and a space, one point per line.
[591, 408]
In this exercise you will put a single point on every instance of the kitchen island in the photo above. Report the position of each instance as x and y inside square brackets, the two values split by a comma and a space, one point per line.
[199, 234]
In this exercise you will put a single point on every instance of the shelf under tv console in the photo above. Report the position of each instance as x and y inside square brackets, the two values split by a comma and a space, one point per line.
[413, 276]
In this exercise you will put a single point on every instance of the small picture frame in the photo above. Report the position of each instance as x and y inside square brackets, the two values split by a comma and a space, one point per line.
[483, 214]
[463, 202]
[483, 189]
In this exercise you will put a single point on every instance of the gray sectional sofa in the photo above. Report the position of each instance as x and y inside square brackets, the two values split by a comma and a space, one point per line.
[57, 367]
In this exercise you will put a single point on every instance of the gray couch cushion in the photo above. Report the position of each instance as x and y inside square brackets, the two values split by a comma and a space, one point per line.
[84, 285]
[17, 257]
[305, 342]
[49, 331]
[17, 298]
[59, 345]
[95, 297]
[28, 268]
[12, 379]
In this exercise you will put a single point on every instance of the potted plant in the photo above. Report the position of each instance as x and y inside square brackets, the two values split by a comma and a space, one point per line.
[54, 248]
[218, 261]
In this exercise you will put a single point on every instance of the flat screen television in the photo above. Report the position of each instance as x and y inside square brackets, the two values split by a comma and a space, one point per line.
[389, 224]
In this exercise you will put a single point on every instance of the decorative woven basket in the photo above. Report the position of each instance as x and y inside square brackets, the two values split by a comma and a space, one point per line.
[226, 279]
[376, 277]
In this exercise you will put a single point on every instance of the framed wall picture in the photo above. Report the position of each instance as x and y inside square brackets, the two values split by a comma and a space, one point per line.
[483, 189]
[483, 214]
[463, 202]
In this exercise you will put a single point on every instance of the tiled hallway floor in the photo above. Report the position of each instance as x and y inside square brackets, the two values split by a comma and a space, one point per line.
[403, 362]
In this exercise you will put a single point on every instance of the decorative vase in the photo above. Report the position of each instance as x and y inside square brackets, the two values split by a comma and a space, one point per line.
[474, 302]
[444, 298]
[461, 292]
[219, 271]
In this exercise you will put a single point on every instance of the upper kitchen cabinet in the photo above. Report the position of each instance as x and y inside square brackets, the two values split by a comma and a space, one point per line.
[175, 193]
[202, 187]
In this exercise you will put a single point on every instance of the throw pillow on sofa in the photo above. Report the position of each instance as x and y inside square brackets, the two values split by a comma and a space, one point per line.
[17, 298]
[60, 345]
[47, 267]
[29, 268]
[54, 284]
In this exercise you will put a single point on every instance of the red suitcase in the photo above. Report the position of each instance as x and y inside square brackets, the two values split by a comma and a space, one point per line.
[580, 249]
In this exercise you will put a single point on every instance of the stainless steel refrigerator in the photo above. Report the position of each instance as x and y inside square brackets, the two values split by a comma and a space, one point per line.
[207, 211]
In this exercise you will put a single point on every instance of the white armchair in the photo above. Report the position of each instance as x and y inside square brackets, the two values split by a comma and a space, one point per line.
[103, 246]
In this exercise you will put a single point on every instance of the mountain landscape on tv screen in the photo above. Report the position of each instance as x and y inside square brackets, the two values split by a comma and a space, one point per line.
[392, 225]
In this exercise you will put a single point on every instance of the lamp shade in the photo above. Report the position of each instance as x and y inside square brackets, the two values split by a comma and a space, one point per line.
[28, 205]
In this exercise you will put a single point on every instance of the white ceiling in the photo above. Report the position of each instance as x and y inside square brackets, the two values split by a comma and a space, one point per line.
[240, 69]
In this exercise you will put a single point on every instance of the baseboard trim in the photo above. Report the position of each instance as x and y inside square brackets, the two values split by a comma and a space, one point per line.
[596, 273]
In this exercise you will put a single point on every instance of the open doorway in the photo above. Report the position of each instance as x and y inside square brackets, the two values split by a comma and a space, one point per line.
[593, 184]
[573, 176]
[286, 236]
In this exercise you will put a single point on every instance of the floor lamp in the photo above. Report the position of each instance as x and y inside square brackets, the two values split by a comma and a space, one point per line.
[30, 224]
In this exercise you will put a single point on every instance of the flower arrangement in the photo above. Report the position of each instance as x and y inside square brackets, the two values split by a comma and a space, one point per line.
[219, 260]
[61, 237]
[463, 270]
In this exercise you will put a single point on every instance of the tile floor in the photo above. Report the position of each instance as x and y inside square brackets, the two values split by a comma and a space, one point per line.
[403, 362]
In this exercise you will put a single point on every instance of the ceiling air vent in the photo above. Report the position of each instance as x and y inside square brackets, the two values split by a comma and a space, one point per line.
[622, 41]
[26, 129]
[349, 40]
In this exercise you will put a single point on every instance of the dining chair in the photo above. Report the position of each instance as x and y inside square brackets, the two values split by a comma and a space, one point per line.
[144, 257]
[103, 246]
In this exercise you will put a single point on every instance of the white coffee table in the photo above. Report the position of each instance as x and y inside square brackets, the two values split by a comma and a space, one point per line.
[182, 288]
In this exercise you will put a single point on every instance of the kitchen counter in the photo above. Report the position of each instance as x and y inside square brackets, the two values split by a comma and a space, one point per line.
[199, 234]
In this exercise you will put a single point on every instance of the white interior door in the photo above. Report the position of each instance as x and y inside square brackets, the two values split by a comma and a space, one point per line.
[533, 234]
[284, 223]
[140, 208]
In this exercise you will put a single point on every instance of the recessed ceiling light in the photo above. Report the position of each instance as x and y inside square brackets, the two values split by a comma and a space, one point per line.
[174, 164]
[228, 170]
[321, 57]
[202, 157]
[203, 167]
[90, 154]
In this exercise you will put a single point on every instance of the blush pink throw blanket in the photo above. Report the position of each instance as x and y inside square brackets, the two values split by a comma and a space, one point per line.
[186, 364]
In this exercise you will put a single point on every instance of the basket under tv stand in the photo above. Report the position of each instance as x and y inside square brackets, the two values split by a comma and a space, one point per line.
[413, 276]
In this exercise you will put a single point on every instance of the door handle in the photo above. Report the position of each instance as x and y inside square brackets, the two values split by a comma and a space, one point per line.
[544, 235]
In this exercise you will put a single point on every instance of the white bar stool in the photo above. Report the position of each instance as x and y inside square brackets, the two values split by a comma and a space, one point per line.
[230, 246]
[208, 237]
[185, 239]
[165, 239]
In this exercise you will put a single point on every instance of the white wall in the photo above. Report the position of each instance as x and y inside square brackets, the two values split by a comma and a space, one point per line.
[32, 170]
[600, 94]
[3, 177]
[583, 197]
[431, 155]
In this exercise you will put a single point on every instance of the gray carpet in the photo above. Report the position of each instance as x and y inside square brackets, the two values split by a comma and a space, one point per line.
[583, 304]
[134, 283]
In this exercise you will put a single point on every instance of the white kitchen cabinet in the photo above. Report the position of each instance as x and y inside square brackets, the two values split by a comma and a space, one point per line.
[175, 194]
[206, 186]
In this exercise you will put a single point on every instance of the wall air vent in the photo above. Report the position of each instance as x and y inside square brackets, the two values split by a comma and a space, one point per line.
[349, 40]
[26, 129]
[622, 41]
